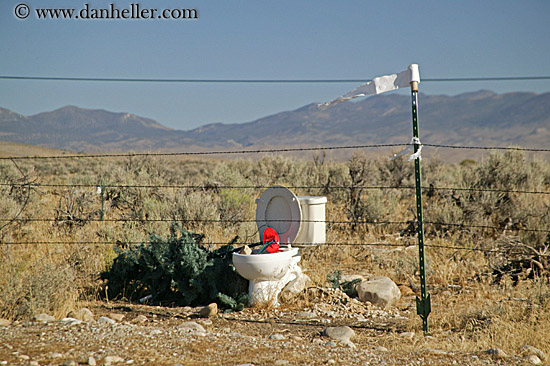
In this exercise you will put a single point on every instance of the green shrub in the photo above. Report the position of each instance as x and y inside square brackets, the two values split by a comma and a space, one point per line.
[177, 270]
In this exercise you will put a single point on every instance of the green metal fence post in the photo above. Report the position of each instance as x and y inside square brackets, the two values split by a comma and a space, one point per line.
[423, 304]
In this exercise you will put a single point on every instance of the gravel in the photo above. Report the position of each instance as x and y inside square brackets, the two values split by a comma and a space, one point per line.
[148, 335]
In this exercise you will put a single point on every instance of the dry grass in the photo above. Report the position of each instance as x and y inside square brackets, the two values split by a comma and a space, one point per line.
[472, 309]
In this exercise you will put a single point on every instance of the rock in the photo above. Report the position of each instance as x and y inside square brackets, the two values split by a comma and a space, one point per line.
[70, 321]
[379, 290]
[246, 250]
[69, 363]
[406, 291]
[206, 322]
[381, 349]
[105, 320]
[350, 344]
[209, 310]
[533, 359]
[86, 315]
[44, 318]
[277, 337]
[34, 363]
[342, 334]
[139, 319]
[116, 317]
[282, 362]
[496, 353]
[4, 322]
[110, 360]
[192, 327]
[83, 314]
[530, 350]
[91, 361]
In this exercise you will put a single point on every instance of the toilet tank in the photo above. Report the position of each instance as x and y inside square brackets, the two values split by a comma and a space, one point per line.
[313, 227]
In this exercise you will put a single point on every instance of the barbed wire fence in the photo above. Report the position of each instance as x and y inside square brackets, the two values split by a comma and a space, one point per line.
[536, 254]
[28, 185]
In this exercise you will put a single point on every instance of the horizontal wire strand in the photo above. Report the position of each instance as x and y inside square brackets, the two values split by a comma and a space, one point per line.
[198, 153]
[329, 222]
[299, 245]
[487, 148]
[259, 81]
[214, 187]
[258, 151]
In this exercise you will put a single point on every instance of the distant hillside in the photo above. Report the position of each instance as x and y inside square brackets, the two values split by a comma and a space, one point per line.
[79, 129]
[479, 118]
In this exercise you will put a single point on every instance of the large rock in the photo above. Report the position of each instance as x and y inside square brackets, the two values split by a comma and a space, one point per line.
[111, 360]
[341, 334]
[192, 327]
[530, 350]
[379, 290]
[209, 310]
[105, 320]
[83, 314]
[533, 359]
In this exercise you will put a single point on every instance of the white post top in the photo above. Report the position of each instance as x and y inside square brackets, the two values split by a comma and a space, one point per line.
[415, 73]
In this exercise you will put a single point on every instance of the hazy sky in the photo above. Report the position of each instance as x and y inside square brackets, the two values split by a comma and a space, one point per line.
[259, 39]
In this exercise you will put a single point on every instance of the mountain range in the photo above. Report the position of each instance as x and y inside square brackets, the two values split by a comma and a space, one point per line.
[482, 118]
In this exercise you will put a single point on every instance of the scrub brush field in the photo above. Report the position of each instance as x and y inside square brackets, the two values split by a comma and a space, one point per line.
[65, 222]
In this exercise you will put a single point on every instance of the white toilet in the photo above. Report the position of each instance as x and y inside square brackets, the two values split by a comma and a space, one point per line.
[299, 221]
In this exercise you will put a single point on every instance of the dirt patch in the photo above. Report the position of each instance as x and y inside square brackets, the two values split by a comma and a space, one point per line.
[151, 335]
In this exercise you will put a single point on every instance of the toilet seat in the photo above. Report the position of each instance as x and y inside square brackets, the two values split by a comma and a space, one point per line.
[279, 208]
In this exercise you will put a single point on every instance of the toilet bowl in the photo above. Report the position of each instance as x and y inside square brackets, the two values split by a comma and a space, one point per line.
[298, 221]
[267, 274]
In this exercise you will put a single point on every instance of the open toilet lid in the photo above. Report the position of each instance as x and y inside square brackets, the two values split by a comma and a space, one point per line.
[279, 208]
